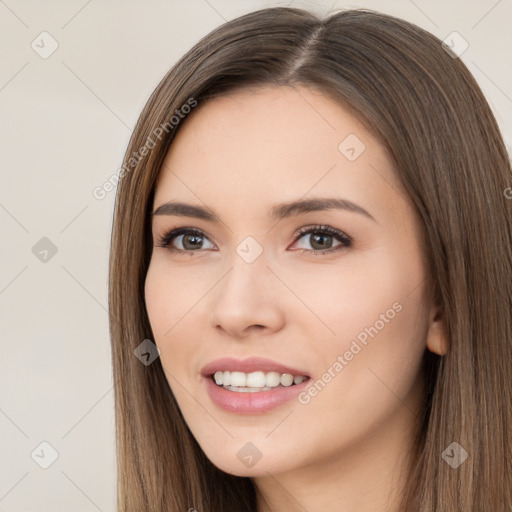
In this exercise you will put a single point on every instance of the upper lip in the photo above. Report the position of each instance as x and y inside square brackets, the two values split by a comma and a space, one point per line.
[248, 365]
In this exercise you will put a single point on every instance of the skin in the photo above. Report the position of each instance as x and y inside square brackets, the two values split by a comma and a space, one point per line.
[239, 155]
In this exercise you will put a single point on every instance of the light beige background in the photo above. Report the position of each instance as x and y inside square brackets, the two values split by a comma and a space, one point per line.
[65, 122]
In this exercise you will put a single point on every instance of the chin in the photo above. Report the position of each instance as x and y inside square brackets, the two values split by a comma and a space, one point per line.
[244, 459]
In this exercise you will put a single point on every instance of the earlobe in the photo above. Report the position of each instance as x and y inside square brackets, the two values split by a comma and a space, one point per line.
[437, 338]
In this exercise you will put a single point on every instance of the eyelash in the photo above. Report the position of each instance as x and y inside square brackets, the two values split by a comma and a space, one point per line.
[346, 241]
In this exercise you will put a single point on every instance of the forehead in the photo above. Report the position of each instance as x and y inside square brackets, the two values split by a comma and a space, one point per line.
[277, 143]
[276, 118]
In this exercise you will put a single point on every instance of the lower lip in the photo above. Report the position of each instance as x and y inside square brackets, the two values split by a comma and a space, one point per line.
[252, 403]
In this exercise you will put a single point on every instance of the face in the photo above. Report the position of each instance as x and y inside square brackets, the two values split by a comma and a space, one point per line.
[331, 293]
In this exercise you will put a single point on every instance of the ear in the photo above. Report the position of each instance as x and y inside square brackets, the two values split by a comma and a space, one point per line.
[437, 337]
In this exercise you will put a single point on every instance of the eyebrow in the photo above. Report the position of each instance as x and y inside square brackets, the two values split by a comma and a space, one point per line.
[277, 212]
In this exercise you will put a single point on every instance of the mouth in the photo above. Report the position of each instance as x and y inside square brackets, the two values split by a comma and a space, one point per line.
[254, 382]
[252, 386]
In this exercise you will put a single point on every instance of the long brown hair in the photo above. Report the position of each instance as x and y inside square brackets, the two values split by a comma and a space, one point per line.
[427, 109]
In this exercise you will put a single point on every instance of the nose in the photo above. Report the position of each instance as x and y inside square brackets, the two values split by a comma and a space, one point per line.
[246, 301]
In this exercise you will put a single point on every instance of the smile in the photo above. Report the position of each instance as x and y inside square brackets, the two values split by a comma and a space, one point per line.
[255, 381]
[252, 386]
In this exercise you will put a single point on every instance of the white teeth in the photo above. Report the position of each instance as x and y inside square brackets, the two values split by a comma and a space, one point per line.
[287, 379]
[246, 390]
[255, 381]
[272, 379]
[237, 379]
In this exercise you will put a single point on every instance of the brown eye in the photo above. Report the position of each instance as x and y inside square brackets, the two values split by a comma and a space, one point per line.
[190, 242]
[184, 240]
[322, 239]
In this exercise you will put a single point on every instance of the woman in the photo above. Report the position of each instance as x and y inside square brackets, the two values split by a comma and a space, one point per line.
[311, 256]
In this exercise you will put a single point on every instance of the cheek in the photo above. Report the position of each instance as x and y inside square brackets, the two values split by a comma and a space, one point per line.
[373, 314]
[342, 299]
[378, 313]
[171, 300]
[171, 294]
[158, 301]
